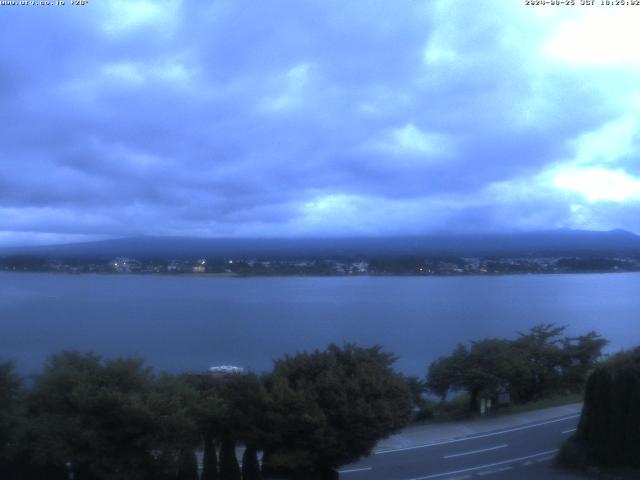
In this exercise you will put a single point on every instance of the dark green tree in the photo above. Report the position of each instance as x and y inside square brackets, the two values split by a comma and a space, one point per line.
[482, 370]
[250, 464]
[187, 465]
[11, 419]
[232, 410]
[173, 403]
[580, 355]
[94, 415]
[229, 468]
[539, 363]
[445, 373]
[542, 348]
[209, 417]
[419, 404]
[165, 465]
[328, 408]
[609, 430]
[209, 457]
[244, 399]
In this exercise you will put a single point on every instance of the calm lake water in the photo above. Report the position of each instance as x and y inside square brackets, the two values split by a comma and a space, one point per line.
[191, 323]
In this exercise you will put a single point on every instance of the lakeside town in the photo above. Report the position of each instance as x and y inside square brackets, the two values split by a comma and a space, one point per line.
[412, 266]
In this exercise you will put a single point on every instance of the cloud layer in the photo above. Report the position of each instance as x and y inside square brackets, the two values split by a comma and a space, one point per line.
[238, 118]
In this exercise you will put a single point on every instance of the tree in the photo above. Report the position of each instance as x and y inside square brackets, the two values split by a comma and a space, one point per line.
[482, 370]
[244, 400]
[445, 373]
[223, 400]
[581, 355]
[173, 403]
[94, 415]
[231, 408]
[209, 458]
[541, 347]
[209, 417]
[11, 417]
[328, 408]
[292, 415]
[229, 468]
[419, 404]
[538, 363]
[609, 430]
[250, 464]
[187, 465]
[490, 366]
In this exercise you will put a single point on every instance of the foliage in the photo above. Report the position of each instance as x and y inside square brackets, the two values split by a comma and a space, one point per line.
[445, 373]
[250, 464]
[10, 415]
[541, 347]
[172, 402]
[229, 468]
[115, 420]
[94, 415]
[480, 370]
[209, 458]
[187, 465]
[420, 405]
[580, 354]
[537, 364]
[243, 402]
[609, 430]
[230, 408]
[328, 408]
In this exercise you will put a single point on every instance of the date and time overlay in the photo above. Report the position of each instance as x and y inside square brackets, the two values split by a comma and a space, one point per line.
[44, 3]
[533, 3]
[582, 3]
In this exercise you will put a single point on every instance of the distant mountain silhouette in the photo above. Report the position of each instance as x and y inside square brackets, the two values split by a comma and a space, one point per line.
[540, 243]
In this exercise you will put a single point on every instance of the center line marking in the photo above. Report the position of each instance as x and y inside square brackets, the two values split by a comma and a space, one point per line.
[453, 455]
[495, 470]
[481, 467]
[352, 470]
[475, 437]
[568, 431]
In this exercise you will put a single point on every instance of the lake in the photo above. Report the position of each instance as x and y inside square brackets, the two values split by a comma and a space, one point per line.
[190, 323]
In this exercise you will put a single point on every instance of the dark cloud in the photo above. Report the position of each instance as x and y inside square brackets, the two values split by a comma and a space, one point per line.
[278, 118]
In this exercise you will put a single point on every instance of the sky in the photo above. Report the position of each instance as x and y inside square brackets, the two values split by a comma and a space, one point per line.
[279, 118]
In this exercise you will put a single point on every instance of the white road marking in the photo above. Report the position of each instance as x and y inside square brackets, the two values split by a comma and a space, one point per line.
[475, 451]
[485, 435]
[569, 431]
[544, 459]
[494, 470]
[352, 470]
[481, 467]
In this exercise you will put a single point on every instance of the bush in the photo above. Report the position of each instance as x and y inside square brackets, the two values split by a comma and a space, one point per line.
[328, 408]
[609, 430]
[572, 454]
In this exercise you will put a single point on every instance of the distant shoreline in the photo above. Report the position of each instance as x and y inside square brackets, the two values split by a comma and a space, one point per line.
[370, 275]
[320, 266]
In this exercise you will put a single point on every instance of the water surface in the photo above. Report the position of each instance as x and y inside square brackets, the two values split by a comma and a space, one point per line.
[189, 323]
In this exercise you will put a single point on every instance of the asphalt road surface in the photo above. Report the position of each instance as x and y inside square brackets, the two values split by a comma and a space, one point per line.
[523, 452]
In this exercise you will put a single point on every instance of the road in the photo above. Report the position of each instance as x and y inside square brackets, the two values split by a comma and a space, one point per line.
[523, 452]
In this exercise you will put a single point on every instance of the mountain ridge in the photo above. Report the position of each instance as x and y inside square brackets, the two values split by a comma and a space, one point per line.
[532, 243]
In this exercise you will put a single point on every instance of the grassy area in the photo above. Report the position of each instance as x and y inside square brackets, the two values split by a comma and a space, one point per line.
[554, 401]
[458, 408]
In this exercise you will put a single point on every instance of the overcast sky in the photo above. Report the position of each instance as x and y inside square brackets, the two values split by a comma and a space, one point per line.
[305, 118]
